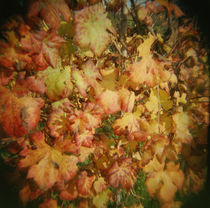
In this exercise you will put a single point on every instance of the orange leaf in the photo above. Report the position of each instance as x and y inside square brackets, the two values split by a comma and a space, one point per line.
[47, 164]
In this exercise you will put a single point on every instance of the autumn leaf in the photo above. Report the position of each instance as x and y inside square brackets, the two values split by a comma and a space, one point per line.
[155, 146]
[80, 81]
[122, 174]
[58, 122]
[84, 138]
[35, 84]
[51, 203]
[43, 48]
[91, 25]
[27, 194]
[127, 99]
[101, 200]
[109, 101]
[22, 113]
[84, 184]
[100, 185]
[163, 183]
[50, 48]
[11, 58]
[182, 122]
[5, 77]
[148, 70]
[84, 153]
[127, 124]
[50, 11]
[153, 104]
[58, 83]
[86, 77]
[47, 165]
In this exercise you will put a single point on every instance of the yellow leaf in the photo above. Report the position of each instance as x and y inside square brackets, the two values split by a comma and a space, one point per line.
[144, 48]
[165, 101]
[101, 200]
[109, 82]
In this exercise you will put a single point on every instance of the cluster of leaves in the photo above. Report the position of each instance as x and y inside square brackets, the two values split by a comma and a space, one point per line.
[94, 118]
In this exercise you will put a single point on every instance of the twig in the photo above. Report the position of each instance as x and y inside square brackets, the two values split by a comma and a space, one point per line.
[135, 17]
[198, 97]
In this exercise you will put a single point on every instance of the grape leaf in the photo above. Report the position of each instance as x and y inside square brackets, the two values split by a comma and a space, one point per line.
[122, 174]
[51, 203]
[84, 184]
[43, 47]
[91, 25]
[109, 101]
[22, 113]
[47, 165]
[58, 83]
[10, 57]
[127, 124]
[58, 122]
[182, 121]
[50, 11]
[163, 183]
[101, 200]
[127, 100]
[35, 84]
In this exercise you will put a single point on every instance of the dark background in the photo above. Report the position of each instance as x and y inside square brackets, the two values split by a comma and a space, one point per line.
[200, 9]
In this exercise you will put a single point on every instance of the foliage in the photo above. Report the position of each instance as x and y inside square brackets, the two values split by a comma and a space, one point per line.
[104, 104]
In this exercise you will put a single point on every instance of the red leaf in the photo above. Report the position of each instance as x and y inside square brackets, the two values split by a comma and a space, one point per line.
[122, 174]
[32, 83]
[5, 77]
[12, 58]
[50, 16]
[22, 113]
[42, 46]
[50, 11]
[84, 184]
